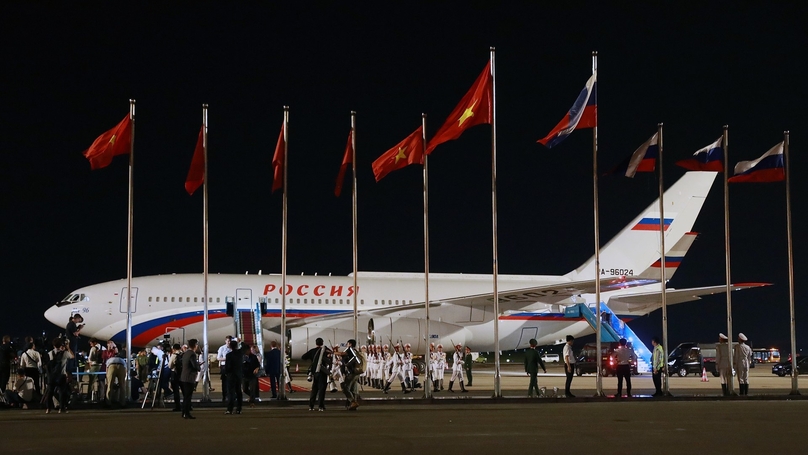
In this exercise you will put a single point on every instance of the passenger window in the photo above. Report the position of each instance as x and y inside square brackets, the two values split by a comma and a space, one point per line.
[218, 299]
[149, 299]
[319, 300]
[362, 302]
[195, 299]
[340, 301]
[172, 299]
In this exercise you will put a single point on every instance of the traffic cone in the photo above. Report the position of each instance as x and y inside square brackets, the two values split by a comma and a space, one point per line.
[297, 368]
[704, 375]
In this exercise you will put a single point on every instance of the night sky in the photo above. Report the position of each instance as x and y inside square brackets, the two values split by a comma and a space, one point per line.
[69, 70]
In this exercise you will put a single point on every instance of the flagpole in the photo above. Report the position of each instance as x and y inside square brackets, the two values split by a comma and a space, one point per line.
[128, 387]
[663, 279]
[599, 378]
[497, 373]
[794, 382]
[282, 391]
[428, 386]
[205, 347]
[355, 255]
[725, 145]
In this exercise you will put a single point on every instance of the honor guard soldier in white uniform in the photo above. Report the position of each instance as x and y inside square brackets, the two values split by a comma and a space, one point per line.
[409, 379]
[440, 367]
[363, 378]
[379, 367]
[723, 362]
[385, 365]
[742, 360]
[396, 365]
[433, 366]
[336, 372]
[457, 368]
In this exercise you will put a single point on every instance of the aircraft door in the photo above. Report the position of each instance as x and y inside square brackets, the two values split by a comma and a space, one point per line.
[123, 301]
[477, 313]
[527, 334]
[244, 299]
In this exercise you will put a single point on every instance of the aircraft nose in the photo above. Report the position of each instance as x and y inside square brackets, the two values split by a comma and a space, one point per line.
[52, 315]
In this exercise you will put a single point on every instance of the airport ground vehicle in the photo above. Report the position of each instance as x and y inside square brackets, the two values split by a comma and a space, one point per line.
[784, 368]
[766, 355]
[550, 358]
[693, 358]
[585, 362]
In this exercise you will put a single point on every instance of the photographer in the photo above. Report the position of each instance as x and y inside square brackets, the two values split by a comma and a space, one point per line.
[320, 358]
[72, 332]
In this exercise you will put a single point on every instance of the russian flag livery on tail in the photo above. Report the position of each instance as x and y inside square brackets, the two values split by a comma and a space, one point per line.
[652, 223]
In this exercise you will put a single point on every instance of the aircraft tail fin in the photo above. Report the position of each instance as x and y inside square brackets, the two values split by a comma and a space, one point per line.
[636, 247]
[673, 258]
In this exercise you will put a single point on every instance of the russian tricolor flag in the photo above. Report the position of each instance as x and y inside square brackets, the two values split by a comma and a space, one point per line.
[767, 168]
[583, 114]
[709, 158]
[642, 160]
[651, 224]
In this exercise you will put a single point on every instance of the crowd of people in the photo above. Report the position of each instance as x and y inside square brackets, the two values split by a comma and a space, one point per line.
[48, 378]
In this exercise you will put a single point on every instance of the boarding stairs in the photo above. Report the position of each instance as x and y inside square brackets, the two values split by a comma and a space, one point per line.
[612, 329]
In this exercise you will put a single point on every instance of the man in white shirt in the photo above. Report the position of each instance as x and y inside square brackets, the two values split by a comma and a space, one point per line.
[569, 365]
[221, 356]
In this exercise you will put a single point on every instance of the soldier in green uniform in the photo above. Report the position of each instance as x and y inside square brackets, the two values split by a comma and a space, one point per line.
[532, 363]
[467, 364]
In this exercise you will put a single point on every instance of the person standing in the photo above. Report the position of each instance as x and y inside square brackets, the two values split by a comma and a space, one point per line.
[94, 360]
[31, 362]
[7, 356]
[624, 358]
[569, 365]
[320, 358]
[250, 373]
[273, 367]
[396, 366]
[457, 368]
[190, 369]
[175, 365]
[221, 356]
[657, 366]
[723, 362]
[57, 375]
[467, 364]
[234, 369]
[440, 367]
[72, 332]
[532, 363]
[742, 359]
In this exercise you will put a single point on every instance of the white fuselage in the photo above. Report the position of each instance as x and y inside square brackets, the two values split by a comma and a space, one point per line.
[173, 305]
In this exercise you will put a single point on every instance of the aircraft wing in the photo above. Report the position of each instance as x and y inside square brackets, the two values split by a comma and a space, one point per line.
[652, 300]
[508, 300]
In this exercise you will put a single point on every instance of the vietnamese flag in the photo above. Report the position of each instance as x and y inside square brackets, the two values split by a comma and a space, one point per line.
[196, 175]
[474, 109]
[346, 160]
[117, 141]
[409, 151]
[277, 161]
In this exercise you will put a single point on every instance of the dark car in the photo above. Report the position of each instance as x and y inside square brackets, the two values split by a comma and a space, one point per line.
[784, 368]
[692, 358]
[585, 362]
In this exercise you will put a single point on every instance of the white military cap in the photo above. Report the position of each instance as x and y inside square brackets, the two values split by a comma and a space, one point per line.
[742, 337]
[722, 336]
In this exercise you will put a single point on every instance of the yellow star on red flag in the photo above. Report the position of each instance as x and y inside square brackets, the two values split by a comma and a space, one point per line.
[400, 155]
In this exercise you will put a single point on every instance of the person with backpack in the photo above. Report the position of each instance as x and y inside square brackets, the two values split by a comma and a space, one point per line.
[320, 358]
[31, 361]
[94, 361]
[57, 375]
[175, 365]
[354, 364]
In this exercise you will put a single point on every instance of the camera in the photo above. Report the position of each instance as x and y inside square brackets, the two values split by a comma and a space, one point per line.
[309, 377]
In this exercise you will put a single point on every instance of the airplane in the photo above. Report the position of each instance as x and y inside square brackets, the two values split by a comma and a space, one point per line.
[391, 304]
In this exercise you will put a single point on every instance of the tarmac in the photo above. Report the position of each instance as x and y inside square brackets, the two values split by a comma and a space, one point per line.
[695, 419]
